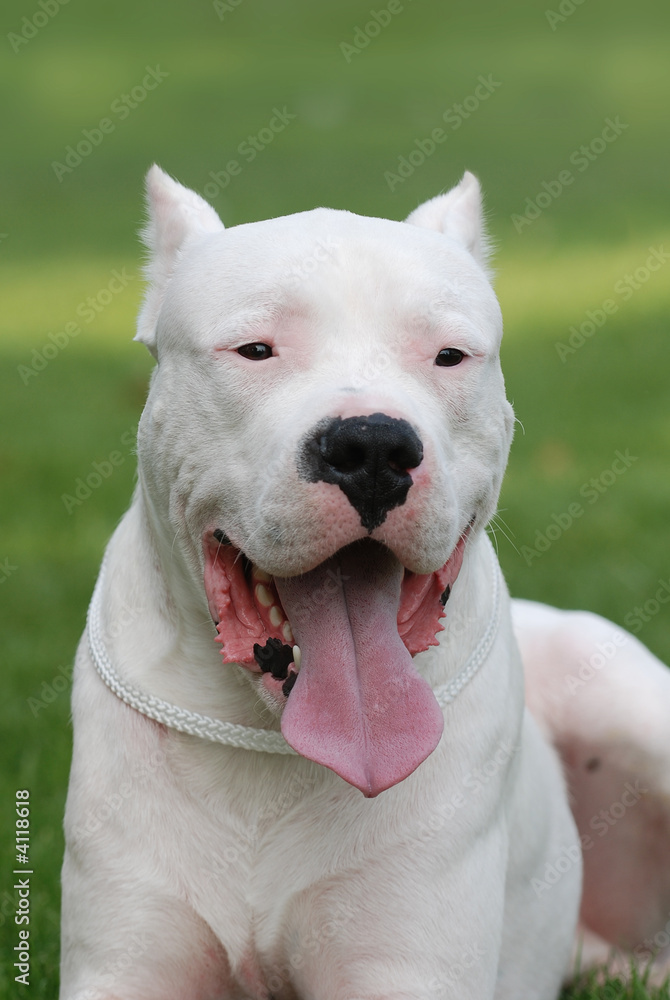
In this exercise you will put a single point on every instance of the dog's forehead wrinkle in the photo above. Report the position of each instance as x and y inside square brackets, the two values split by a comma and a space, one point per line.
[257, 319]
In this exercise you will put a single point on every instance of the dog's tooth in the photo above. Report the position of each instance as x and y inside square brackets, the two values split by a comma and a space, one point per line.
[276, 617]
[263, 596]
[297, 657]
[261, 575]
[287, 632]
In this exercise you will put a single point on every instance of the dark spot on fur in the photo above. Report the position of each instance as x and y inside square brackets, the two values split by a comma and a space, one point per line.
[274, 658]
[593, 763]
[287, 686]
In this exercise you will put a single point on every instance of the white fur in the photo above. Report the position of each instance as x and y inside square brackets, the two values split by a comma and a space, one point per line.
[458, 214]
[201, 871]
[178, 216]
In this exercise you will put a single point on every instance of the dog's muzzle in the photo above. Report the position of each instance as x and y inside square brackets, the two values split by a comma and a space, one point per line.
[369, 458]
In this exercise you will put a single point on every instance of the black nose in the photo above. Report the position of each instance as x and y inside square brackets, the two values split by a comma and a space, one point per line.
[368, 458]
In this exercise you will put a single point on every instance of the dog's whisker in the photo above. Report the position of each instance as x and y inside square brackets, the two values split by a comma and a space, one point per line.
[497, 523]
[205, 622]
[492, 531]
[174, 542]
[249, 539]
[505, 529]
[498, 515]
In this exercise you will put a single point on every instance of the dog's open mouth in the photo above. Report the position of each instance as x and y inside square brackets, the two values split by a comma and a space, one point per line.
[337, 644]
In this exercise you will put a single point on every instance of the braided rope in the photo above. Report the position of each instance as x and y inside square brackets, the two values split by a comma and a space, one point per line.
[447, 693]
[181, 719]
[231, 733]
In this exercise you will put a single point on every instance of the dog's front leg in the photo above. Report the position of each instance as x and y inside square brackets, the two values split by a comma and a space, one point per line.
[125, 939]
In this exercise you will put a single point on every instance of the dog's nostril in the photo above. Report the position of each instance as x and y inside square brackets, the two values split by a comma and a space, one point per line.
[343, 456]
[405, 457]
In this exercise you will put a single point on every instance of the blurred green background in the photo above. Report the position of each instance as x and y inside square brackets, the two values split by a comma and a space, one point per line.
[69, 401]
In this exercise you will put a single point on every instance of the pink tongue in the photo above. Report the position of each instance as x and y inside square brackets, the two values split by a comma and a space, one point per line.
[358, 705]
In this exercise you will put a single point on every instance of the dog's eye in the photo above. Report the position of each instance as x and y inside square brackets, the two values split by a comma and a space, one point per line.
[448, 357]
[255, 352]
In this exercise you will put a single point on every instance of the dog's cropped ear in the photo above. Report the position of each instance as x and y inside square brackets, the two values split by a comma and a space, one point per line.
[458, 214]
[177, 216]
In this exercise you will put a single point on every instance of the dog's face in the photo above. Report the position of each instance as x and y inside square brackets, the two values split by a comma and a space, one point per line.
[326, 426]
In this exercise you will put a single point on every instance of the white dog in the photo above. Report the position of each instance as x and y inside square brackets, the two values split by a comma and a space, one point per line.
[283, 785]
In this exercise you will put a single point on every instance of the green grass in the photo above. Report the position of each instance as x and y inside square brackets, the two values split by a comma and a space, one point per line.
[62, 239]
[597, 985]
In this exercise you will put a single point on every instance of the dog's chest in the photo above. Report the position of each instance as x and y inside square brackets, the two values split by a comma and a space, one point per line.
[270, 842]
[246, 832]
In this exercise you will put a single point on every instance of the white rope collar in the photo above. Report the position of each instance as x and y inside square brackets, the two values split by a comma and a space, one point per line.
[250, 737]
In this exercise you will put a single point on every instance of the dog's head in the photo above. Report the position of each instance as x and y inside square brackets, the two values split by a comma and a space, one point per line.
[326, 428]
